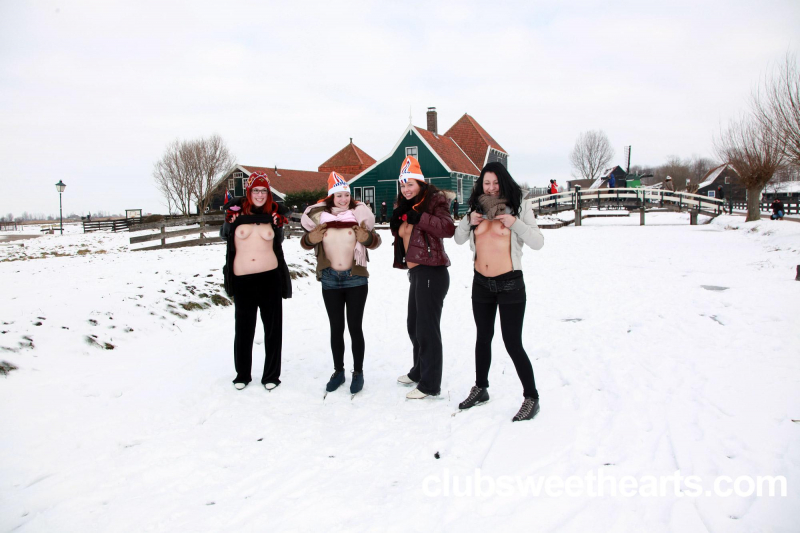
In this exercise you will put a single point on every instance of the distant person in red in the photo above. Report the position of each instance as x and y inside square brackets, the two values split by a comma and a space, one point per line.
[553, 187]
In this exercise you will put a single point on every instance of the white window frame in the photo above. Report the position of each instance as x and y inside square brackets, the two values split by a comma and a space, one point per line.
[712, 194]
[238, 174]
[231, 184]
[415, 149]
[357, 193]
[244, 185]
[363, 195]
[460, 189]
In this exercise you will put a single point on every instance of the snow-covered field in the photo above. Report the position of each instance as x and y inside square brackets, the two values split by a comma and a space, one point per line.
[656, 349]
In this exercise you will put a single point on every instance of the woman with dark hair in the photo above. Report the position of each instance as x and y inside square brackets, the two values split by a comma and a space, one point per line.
[256, 276]
[498, 224]
[419, 224]
[340, 231]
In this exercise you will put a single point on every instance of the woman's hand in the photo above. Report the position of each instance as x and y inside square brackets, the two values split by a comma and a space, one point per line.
[362, 233]
[475, 218]
[506, 219]
[233, 217]
[315, 236]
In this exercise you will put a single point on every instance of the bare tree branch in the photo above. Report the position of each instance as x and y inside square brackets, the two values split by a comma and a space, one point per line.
[591, 154]
[776, 104]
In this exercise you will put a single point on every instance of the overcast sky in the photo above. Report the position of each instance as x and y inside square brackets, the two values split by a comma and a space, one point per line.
[92, 92]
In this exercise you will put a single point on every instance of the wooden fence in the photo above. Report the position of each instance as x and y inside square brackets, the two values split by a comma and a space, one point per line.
[206, 224]
[120, 224]
[8, 226]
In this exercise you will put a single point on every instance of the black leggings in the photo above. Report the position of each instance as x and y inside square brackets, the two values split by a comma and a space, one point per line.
[512, 316]
[255, 292]
[429, 286]
[353, 299]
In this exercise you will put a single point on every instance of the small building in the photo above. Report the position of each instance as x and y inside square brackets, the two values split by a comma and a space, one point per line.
[348, 162]
[725, 176]
[602, 181]
[451, 161]
[583, 183]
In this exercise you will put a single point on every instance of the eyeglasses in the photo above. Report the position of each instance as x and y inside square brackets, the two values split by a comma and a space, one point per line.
[259, 191]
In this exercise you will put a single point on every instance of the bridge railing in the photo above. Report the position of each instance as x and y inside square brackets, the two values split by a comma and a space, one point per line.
[626, 197]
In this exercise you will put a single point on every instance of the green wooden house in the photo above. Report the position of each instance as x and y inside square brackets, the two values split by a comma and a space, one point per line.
[451, 162]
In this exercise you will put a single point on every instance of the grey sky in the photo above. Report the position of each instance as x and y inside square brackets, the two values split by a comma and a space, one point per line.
[92, 92]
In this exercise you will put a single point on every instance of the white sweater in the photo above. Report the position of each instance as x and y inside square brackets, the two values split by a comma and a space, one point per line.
[524, 231]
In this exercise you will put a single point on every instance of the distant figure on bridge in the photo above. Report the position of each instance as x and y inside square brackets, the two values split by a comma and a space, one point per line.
[383, 212]
[612, 182]
[668, 185]
[777, 209]
[553, 187]
[455, 209]
[721, 196]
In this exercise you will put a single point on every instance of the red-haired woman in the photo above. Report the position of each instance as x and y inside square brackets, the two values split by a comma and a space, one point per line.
[419, 224]
[256, 276]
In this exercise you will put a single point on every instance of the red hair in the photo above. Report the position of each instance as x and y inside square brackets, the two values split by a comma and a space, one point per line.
[249, 208]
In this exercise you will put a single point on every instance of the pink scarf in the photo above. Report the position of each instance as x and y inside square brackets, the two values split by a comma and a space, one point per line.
[361, 213]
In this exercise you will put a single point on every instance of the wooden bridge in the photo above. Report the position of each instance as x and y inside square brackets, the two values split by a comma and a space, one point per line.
[638, 199]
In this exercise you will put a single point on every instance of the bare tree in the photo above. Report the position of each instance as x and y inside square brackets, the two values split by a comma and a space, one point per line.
[756, 152]
[777, 106]
[173, 177]
[591, 154]
[187, 171]
[211, 158]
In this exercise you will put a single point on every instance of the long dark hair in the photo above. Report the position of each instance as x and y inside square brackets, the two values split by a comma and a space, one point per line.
[508, 188]
[330, 205]
[422, 201]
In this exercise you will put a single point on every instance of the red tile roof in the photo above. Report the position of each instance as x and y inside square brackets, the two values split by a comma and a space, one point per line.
[450, 153]
[287, 181]
[350, 159]
[473, 139]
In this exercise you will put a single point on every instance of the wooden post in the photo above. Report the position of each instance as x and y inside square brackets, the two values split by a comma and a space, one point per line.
[578, 212]
[202, 227]
[641, 216]
[693, 217]
[798, 273]
[163, 237]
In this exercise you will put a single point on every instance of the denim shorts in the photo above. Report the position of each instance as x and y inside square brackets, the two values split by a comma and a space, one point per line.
[335, 279]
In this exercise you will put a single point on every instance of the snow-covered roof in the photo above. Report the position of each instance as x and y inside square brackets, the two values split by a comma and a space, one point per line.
[713, 174]
[786, 186]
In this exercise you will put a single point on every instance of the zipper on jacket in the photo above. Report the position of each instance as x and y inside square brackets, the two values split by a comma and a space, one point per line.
[427, 242]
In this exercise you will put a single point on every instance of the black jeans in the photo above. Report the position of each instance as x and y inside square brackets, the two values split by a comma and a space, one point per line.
[353, 299]
[485, 301]
[255, 292]
[429, 286]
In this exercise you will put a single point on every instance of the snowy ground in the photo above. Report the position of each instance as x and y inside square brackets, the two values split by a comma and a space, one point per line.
[121, 415]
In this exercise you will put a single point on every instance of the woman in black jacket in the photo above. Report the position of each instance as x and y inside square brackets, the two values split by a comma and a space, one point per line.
[257, 277]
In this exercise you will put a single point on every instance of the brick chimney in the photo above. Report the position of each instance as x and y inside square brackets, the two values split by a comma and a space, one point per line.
[432, 122]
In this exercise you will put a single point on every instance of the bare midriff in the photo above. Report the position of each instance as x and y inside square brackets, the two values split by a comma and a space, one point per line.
[493, 248]
[254, 251]
[405, 232]
[339, 245]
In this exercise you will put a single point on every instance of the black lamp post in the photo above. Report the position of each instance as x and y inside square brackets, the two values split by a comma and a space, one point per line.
[60, 186]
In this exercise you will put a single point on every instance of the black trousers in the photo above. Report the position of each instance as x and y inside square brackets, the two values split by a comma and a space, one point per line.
[252, 293]
[512, 315]
[350, 303]
[429, 286]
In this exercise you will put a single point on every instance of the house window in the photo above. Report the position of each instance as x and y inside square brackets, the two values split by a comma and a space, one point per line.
[712, 194]
[238, 174]
[412, 151]
[357, 194]
[231, 184]
[369, 196]
[460, 190]
[244, 185]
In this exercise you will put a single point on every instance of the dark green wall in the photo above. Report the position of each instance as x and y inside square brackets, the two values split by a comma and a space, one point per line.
[384, 175]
